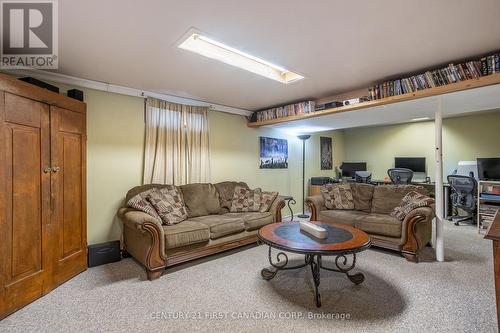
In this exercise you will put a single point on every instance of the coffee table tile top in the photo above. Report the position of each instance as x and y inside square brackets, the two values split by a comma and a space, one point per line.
[288, 236]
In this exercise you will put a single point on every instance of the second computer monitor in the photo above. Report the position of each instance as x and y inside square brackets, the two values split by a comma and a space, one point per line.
[416, 164]
[349, 168]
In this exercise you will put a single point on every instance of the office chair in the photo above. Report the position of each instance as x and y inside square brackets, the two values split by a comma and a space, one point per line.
[363, 176]
[400, 175]
[463, 196]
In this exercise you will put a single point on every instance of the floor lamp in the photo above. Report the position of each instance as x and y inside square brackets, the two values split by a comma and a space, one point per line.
[303, 138]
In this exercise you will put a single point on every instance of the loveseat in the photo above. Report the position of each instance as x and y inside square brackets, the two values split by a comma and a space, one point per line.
[209, 228]
[371, 213]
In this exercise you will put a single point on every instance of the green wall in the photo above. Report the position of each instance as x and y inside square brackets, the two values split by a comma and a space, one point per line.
[115, 130]
[464, 138]
[235, 155]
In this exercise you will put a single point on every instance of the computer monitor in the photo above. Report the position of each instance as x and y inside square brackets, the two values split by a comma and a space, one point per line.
[416, 164]
[488, 168]
[349, 168]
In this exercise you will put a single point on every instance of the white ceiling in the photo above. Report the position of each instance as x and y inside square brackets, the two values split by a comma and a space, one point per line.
[337, 45]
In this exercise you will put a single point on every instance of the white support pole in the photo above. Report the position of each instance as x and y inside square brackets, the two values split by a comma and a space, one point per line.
[438, 124]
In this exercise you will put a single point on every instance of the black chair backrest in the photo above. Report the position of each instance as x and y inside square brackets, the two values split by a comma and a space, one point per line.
[464, 191]
[363, 176]
[400, 175]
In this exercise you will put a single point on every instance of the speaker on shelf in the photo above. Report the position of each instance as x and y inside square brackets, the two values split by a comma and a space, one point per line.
[76, 94]
[41, 84]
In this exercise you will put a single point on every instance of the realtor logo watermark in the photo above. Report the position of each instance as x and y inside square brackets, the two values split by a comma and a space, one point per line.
[29, 32]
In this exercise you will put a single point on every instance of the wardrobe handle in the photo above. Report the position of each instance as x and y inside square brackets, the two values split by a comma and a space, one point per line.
[56, 169]
[47, 169]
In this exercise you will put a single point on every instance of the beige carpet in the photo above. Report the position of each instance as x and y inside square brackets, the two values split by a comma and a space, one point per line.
[222, 293]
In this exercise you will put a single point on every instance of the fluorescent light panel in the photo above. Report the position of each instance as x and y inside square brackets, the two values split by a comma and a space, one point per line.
[215, 50]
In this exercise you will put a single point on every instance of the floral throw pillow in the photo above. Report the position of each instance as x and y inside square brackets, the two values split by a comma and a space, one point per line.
[266, 200]
[409, 202]
[169, 204]
[338, 196]
[246, 200]
[140, 202]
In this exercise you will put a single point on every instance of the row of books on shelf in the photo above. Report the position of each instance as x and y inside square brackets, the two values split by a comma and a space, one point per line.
[436, 78]
[487, 214]
[284, 111]
[453, 73]
[488, 210]
[485, 222]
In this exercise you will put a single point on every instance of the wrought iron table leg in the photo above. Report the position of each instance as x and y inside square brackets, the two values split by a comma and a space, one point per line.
[315, 262]
[342, 267]
[293, 202]
[315, 270]
[281, 262]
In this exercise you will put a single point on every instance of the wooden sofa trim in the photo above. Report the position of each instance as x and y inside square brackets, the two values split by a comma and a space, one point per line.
[279, 207]
[155, 261]
[312, 209]
[410, 247]
[208, 250]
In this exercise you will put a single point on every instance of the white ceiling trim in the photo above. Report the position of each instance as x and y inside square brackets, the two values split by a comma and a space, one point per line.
[107, 87]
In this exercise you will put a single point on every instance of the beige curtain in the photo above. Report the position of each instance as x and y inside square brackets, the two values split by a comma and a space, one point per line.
[177, 149]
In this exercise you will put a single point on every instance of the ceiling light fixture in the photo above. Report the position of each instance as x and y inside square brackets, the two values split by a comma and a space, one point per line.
[215, 50]
[420, 119]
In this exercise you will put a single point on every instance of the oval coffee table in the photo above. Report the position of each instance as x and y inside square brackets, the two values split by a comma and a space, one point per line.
[342, 241]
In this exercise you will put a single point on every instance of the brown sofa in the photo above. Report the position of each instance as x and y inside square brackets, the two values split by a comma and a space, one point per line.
[372, 206]
[210, 227]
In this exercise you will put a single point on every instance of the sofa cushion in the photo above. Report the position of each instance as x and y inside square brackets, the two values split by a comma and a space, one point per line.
[379, 224]
[337, 196]
[410, 202]
[140, 202]
[387, 197]
[221, 225]
[200, 199]
[246, 200]
[347, 217]
[362, 195]
[226, 192]
[266, 200]
[169, 204]
[185, 233]
[253, 220]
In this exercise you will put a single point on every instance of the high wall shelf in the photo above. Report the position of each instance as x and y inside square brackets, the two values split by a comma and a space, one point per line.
[487, 208]
[483, 81]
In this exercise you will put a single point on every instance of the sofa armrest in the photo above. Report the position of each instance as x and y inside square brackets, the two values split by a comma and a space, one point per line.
[135, 219]
[144, 238]
[417, 231]
[316, 204]
[276, 208]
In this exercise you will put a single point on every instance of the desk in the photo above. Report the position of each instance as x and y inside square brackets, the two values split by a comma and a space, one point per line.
[493, 233]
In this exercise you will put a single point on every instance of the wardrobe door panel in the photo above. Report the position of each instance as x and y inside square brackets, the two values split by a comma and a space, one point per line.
[68, 154]
[24, 200]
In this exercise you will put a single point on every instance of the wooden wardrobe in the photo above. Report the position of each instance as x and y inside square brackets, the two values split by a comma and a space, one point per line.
[43, 232]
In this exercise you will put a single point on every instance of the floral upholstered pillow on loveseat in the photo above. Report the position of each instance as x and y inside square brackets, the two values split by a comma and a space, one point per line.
[169, 204]
[338, 196]
[246, 200]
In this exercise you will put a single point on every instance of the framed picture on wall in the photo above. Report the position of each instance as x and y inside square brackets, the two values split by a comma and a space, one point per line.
[326, 153]
[273, 153]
